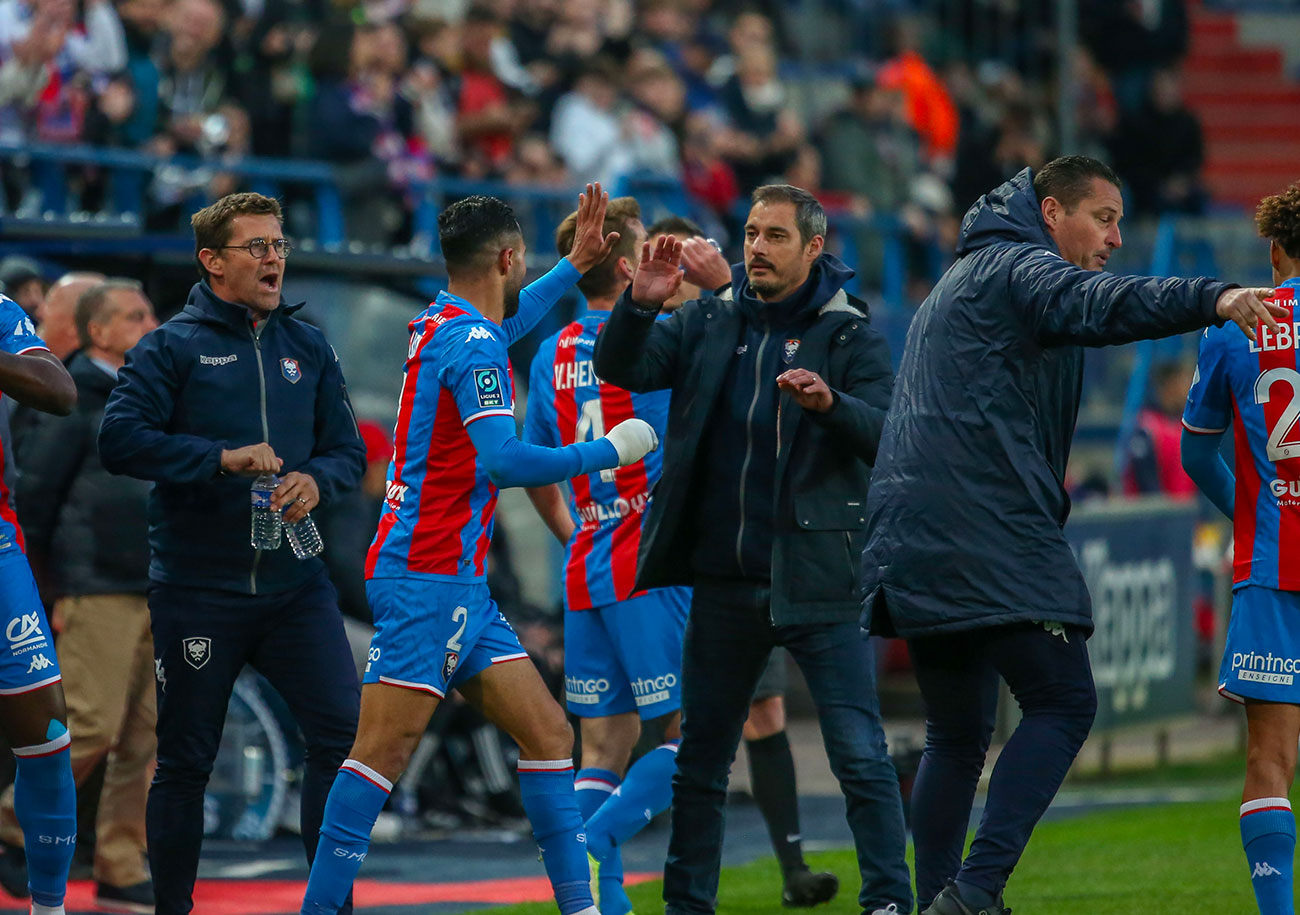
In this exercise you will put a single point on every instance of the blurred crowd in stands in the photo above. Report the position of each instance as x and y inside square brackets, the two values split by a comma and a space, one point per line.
[719, 95]
[722, 95]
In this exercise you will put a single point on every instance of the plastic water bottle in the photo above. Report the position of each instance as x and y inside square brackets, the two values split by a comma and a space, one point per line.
[304, 537]
[266, 520]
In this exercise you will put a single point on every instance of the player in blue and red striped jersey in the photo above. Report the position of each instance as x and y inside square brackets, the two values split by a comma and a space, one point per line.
[622, 648]
[1254, 386]
[436, 626]
[32, 712]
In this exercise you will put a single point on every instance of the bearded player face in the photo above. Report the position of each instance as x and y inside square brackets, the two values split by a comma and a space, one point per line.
[515, 280]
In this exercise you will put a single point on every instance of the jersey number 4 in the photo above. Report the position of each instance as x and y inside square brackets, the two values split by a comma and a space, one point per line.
[1283, 437]
[591, 426]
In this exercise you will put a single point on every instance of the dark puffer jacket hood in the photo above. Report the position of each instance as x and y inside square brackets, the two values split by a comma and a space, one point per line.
[968, 499]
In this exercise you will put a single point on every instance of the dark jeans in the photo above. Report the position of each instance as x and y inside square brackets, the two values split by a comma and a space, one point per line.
[1051, 679]
[729, 635]
[202, 639]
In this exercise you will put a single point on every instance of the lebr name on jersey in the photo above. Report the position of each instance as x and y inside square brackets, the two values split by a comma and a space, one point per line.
[1269, 340]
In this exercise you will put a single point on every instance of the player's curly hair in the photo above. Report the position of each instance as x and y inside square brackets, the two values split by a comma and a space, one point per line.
[1278, 219]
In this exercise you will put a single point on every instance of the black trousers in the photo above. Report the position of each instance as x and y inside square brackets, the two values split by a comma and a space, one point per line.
[729, 636]
[202, 640]
[1051, 679]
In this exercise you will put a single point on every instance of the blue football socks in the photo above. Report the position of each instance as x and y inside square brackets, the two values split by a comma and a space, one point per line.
[594, 787]
[547, 789]
[645, 793]
[1268, 836]
[45, 801]
[358, 795]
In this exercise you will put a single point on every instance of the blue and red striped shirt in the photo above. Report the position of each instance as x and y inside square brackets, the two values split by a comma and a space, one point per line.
[19, 336]
[567, 403]
[1255, 388]
[439, 503]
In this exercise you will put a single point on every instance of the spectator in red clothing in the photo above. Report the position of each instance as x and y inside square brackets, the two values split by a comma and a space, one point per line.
[1154, 456]
[486, 118]
[708, 177]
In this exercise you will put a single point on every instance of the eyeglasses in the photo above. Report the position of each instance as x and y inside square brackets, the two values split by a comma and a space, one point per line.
[259, 246]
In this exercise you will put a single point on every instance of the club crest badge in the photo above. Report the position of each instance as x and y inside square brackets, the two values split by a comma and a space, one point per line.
[289, 368]
[789, 349]
[449, 666]
[197, 651]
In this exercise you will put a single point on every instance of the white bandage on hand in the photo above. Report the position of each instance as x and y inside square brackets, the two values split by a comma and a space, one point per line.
[633, 439]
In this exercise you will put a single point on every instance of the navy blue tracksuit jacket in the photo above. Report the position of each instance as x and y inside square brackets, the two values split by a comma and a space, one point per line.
[968, 500]
[206, 381]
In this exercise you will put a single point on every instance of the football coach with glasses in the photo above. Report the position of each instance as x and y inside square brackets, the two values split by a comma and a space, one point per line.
[233, 387]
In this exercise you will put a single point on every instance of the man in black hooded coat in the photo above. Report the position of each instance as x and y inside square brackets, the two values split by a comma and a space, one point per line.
[966, 557]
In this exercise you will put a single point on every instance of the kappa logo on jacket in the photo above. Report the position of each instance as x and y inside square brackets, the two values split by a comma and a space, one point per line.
[218, 360]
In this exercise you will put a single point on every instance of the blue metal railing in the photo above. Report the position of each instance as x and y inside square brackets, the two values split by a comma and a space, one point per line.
[128, 175]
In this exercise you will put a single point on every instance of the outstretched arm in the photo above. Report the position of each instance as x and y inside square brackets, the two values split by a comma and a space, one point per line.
[510, 462]
[590, 246]
[1064, 304]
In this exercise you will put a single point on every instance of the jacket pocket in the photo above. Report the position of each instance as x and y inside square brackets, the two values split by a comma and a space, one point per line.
[814, 514]
[826, 549]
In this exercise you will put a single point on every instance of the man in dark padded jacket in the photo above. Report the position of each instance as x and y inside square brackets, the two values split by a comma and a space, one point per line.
[965, 553]
[233, 387]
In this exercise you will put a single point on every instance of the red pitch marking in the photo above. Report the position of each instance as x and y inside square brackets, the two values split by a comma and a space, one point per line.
[277, 897]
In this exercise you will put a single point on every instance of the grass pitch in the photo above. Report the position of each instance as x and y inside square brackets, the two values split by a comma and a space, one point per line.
[1164, 860]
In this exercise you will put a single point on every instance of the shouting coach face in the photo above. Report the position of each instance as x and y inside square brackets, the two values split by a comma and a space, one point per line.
[241, 249]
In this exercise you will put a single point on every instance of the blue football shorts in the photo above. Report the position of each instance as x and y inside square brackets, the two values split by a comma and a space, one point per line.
[28, 661]
[626, 656]
[1261, 659]
[432, 636]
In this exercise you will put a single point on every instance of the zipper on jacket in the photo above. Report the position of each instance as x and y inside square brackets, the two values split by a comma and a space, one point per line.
[256, 333]
[749, 446]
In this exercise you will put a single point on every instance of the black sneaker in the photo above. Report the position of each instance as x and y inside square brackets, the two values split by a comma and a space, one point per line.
[804, 889]
[13, 871]
[136, 899]
[949, 902]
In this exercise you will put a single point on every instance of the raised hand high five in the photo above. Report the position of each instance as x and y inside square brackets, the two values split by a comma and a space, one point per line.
[659, 274]
[590, 243]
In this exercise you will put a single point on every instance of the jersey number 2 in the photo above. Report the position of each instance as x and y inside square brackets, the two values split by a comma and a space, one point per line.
[591, 426]
[1283, 444]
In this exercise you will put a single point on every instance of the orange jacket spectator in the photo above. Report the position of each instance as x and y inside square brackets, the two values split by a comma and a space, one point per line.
[930, 109]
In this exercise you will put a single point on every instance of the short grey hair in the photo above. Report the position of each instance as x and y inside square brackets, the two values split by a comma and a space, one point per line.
[92, 305]
[809, 217]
